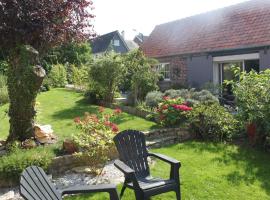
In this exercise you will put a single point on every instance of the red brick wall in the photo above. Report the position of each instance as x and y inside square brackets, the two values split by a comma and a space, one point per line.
[178, 71]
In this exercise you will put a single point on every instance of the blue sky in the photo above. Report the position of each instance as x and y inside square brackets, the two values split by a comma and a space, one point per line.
[142, 15]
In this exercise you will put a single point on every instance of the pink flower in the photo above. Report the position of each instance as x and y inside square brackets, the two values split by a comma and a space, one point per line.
[166, 98]
[101, 109]
[77, 120]
[182, 107]
[114, 128]
[107, 123]
[117, 111]
[164, 107]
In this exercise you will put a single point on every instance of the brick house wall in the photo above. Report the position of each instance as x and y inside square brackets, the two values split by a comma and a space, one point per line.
[178, 72]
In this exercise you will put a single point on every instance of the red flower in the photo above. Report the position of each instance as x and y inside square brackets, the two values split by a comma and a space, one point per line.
[101, 109]
[94, 118]
[164, 107]
[182, 107]
[77, 120]
[114, 128]
[166, 98]
[117, 111]
[107, 123]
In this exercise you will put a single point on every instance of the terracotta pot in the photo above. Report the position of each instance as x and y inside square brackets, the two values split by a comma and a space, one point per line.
[252, 132]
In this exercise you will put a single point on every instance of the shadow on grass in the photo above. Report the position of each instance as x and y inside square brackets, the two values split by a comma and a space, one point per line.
[82, 106]
[79, 109]
[253, 164]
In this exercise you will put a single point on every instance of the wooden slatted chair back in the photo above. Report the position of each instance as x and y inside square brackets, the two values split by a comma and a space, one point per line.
[132, 151]
[35, 185]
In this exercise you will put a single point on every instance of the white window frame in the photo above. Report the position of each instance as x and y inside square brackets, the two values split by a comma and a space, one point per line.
[161, 66]
[232, 58]
[116, 43]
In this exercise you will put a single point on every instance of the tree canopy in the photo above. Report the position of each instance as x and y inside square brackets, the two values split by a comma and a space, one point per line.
[44, 23]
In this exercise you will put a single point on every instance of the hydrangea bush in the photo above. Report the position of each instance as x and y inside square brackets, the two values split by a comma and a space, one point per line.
[172, 112]
[95, 138]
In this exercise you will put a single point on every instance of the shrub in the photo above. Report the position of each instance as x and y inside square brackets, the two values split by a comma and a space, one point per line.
[252, 93]
[58, 76]
[192, 96]
[79, 76]
[12, 164]
[172, 112]
[105, 76]
[212, 122]
[3, 90]
[153, 98]
[95, 139]
[139, 78]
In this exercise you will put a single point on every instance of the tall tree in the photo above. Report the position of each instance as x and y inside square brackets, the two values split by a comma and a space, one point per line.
[28, 29]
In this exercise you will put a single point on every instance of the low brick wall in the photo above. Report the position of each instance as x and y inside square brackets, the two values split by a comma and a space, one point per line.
[162, 137]
[159, 137]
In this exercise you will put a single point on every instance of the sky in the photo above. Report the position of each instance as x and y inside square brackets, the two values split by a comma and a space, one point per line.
[134, 16]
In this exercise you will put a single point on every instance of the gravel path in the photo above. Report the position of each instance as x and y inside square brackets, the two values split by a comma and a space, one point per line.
[109, 175]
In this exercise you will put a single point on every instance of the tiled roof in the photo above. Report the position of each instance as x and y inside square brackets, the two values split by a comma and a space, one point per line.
[101, 43]
[240, 26]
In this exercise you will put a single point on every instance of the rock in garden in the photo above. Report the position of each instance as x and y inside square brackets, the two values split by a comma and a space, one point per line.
[8, 196]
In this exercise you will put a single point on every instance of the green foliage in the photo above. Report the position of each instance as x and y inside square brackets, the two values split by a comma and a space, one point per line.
[139, 77]
[252, 94]
[80, 76]
[172, 112]
[192, 96]
[3, 90]
[58, 76]
[106, 74]
[153, 98]
[95, 139]
[12, 164]
[212, 122]
[3, 66]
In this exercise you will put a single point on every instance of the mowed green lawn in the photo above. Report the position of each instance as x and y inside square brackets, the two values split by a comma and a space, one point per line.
[211, 172]
[59, 107]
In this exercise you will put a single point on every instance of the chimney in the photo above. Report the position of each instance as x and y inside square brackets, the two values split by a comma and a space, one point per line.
[123, 34]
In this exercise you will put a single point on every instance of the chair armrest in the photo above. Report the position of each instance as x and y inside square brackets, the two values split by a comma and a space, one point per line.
[111, 189]
[123, 167]
[165, 158]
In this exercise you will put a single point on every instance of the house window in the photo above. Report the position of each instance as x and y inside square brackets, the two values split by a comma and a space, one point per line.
[116, 43]
[164, 70]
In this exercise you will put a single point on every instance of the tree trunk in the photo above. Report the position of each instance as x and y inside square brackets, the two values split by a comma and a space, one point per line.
[24, 80]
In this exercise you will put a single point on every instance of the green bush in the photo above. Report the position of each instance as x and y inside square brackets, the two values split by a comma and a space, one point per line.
[192, 96]
[3, 90]
[95, 136]
[153, 98]
[58, 76]
[105, 76]
[12, 164]
[252, 93]
[212, 122]
[79, 76]
[172, 112]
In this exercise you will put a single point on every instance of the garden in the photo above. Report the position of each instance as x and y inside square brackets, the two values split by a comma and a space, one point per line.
[61, 109]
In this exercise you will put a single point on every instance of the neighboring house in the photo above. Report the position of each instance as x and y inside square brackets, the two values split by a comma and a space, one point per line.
[109, 42]
[203, 48]
[140, 39]
[131, 44]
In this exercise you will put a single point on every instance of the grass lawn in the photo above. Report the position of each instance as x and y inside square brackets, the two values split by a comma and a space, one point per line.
[212, 172]
[59, 107]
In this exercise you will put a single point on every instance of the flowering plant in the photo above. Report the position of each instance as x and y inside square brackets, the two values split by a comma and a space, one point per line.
[95, 138]
[172, 112]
